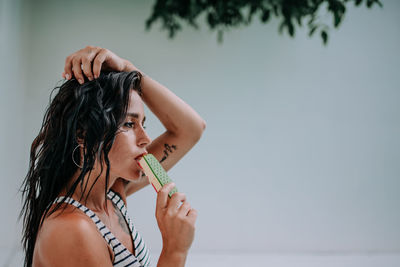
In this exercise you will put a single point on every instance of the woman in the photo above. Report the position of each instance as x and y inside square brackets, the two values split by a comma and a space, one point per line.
[83, 166]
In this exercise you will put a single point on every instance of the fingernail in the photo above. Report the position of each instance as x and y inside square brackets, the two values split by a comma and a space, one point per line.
[80, 81]
[67, 76]
[90, 79]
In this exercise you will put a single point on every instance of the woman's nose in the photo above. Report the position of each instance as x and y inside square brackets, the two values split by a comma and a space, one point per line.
[144, 139]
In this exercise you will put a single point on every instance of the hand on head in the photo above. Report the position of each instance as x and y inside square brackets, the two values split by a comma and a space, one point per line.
[89, 61]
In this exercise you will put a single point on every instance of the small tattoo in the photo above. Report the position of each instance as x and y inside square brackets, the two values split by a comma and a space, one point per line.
[121, 220]
[168, 149]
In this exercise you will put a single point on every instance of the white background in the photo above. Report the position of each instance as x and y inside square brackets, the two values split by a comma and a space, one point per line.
[299, 163]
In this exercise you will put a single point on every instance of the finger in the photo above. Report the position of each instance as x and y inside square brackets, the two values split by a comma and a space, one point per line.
[87, 65]
[192, 215]
[176, 200]
[77, 70]
[68, 67]
[98, 62]
[184, 209]
[162, 196]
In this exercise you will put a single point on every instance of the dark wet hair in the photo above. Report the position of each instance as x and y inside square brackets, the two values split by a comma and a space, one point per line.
[92, 112]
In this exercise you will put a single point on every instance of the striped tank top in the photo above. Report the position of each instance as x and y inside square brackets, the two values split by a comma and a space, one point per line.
[122, 256]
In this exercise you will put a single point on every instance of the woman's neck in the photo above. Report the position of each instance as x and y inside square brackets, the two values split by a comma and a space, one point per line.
[96, 200]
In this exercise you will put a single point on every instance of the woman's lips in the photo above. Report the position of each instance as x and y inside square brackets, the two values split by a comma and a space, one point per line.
[138, 158]
[140, 167]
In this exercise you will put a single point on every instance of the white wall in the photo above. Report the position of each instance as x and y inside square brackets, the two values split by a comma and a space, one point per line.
[301, 150]
[12, 117]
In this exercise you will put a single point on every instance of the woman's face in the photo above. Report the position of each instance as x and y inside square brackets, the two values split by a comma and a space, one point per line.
[130, 142]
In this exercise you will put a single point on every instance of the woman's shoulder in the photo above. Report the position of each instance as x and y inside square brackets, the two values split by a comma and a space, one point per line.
[66, 216]
[70, 236]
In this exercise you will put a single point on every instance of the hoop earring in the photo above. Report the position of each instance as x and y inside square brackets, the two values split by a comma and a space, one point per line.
[73, 152]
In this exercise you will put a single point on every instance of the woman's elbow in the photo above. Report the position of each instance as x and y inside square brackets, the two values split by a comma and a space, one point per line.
[203, 125]
[197, 132]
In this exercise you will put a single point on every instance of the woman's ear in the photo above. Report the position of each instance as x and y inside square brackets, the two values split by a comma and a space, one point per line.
[80, 136]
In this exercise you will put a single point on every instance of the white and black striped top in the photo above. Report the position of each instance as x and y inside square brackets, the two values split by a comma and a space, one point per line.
[122, 256]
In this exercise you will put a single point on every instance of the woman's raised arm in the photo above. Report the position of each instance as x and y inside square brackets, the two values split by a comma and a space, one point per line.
[183, 124]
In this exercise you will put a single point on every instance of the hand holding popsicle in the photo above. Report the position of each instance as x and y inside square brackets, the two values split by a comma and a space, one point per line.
[175, 217]
[176, 223]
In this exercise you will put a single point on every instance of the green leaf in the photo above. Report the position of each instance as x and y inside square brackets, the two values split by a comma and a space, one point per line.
[211, 20]
[312, 30]
[379, 3]
[298, 18]
[275, 7]
[265, 16]
[337, 19]
[290, 28]
[324, 36]
[228, 14]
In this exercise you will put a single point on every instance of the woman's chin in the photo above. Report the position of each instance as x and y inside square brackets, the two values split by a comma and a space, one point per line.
[135, 177]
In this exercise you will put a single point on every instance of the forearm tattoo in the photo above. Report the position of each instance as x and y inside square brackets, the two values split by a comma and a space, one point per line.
[167, 151]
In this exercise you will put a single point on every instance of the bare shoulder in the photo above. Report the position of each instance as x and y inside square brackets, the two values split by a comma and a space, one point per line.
[70, 239]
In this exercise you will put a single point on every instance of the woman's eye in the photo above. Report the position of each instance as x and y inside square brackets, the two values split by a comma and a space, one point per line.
[129, 124]
[132, 125]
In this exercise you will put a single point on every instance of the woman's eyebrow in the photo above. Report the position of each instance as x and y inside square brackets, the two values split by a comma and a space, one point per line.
[135, 115]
